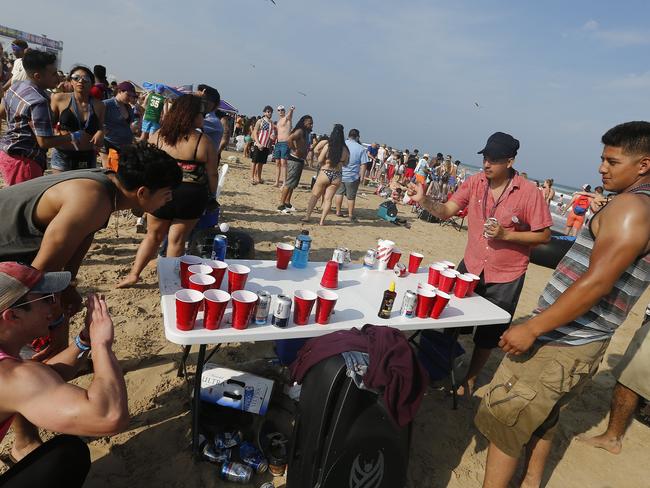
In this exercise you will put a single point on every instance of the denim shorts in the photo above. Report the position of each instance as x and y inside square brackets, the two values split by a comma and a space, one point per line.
[150, 126]
[71, 160]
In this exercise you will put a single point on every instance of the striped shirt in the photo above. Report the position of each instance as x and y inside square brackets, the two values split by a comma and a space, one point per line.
[602, 320]
[28, 115]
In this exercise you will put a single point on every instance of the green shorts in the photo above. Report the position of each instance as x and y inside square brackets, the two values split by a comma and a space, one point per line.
[528, 391]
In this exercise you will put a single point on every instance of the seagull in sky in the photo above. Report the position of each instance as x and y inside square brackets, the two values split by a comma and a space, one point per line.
[303, 94]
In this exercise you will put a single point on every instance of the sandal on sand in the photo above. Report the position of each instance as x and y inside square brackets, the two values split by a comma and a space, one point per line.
[340, 215]
[8, 460]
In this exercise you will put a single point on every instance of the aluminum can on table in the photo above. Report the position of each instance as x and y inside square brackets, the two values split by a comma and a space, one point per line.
[408, 304]
[281, 311]
[370, 258]
[219, 247]
[236, 472]
[339, 256]
[400, 270]
[263, 307]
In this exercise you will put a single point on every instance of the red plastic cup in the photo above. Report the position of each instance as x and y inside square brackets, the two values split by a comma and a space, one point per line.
[434, 273]
[394, 258]
[243, 306]
[425, 286]
[426, 297]
[215, 303]
[199, 269]
[325, 302]
[449, 264]
[330, 277]
[303, 302]
[447, 280]
[442, 299]
[188, 303]
[237, 275]
[475, 280]
[415, 258]
[185, 262]
[218, 270]
[283, 253]
[463, 284]
[201, 282]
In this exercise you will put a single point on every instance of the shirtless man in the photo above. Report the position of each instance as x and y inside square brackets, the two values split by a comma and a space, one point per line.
[298, 149]
[50, 221]
[548, 191]
[281, 150]
[39, 392]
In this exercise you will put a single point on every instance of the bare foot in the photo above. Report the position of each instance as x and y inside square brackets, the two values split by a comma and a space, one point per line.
[129, 281]
[305, 219]
[466, 389]
[321, 223]
[611, 444]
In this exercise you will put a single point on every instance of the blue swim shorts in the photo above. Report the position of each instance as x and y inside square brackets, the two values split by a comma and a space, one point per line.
[281, 150]
[150, 126]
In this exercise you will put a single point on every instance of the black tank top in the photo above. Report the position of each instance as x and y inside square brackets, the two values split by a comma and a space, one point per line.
[20, 239]
[71, 118]
[193, 170]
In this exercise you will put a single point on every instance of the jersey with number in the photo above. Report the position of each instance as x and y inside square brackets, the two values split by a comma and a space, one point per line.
[154, 107]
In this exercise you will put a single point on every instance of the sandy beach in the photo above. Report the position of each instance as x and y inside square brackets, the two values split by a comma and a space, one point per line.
[446, 449]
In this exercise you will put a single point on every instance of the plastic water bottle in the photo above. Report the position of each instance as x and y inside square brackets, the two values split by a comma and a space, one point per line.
[300, 255]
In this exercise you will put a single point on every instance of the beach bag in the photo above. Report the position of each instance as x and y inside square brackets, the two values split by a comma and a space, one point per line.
[387, 211]
[580, 206]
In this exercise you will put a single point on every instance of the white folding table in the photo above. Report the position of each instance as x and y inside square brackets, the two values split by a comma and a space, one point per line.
[360, 293]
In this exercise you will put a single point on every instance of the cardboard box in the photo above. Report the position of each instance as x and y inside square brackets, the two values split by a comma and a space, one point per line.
[235, 389]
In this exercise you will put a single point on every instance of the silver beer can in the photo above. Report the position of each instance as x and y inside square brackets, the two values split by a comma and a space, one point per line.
[370, 258]
[339, 256]
[281, 311]
[263, 307]
[408, 304]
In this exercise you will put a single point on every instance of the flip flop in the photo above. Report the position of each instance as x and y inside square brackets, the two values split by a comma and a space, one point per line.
[8, 460]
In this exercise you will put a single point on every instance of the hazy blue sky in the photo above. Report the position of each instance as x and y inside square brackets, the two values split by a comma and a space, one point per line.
[555, 74]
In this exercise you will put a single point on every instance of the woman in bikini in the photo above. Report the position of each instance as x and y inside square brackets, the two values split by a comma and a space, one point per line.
[333, 154]
[76, 112]
[197, 157]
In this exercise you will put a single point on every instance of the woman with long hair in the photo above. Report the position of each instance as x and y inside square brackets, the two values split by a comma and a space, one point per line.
[197, 157]
[78, 113]
[333, 154]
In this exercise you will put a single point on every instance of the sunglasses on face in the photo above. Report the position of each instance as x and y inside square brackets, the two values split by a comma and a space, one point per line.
[51, 299]
[80, 78]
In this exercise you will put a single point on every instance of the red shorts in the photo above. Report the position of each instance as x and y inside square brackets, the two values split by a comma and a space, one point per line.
[409, 173]
[575, 221]
[16, 169]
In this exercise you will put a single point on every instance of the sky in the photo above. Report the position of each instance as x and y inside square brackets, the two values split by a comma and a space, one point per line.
[555, 74]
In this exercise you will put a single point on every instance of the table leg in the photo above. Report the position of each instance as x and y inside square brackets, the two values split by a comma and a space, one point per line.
[182, 367]
[452, 368]
[196, 401]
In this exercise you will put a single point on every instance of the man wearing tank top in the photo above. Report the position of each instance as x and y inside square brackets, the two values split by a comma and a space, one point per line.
[551, 356]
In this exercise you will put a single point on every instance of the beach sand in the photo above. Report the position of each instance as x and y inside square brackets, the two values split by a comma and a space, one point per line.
[446, 450]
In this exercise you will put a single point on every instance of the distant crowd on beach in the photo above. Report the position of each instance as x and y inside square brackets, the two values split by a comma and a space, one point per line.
[159, 157]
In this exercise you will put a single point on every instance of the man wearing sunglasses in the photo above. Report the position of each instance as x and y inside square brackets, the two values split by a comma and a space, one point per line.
[30, 133]
[39, 393]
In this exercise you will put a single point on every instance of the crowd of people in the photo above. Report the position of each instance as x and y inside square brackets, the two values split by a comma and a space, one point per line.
[166, 167]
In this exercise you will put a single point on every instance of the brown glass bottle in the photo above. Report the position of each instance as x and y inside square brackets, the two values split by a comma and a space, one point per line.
[387, 302]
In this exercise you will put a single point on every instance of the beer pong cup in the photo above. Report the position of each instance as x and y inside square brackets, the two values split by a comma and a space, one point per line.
[283, 253]
[325, 302]
[303, 302]
[218, 270]
[475, 280]
[449, 264]
[394, 258]
[201, 282]
[434, 273]
[463, 284]
[243, 305]
[214, 303]
[187, 306]
[237, 275]
[199, 269]
[426, 297]
[185, 262]
[384, 250]
[447, 280]
[330, 277]
[425, 286]
[442, 299]
[415, 258]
